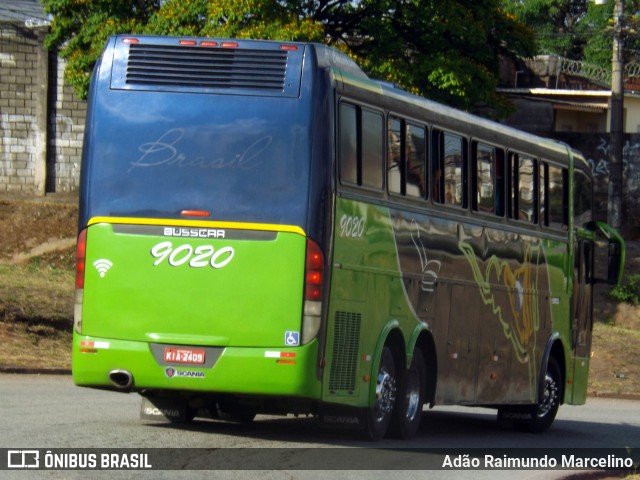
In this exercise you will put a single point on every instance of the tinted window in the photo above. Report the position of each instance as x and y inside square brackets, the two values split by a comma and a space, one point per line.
[372, 148]
[453, 169]
[582, 195]
[416, 161]
[527, 189]
[394, 156]
[556, 197]
[484, 166]
[348, 144]
[361, 146]
[523, 185]
[406, 158]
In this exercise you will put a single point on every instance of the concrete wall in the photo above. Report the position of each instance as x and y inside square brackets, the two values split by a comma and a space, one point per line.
[41, 121]
[595, 148]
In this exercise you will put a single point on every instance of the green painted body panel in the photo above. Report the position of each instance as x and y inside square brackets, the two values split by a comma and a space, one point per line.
[251, 301]
[240, 310]
[490, 300]
[366, 295]
[238, 370]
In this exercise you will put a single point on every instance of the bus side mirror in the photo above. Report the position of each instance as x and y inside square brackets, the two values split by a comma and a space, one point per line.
[613, 264]
[616, 253]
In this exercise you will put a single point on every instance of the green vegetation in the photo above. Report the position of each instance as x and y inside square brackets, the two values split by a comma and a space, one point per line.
[628, 291]
[447, 50]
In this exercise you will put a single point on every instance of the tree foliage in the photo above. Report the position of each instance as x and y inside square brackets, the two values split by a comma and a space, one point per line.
[579, 29]
[448, 50]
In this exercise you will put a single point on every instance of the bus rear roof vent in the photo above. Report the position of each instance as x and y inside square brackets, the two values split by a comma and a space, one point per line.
[152, 66]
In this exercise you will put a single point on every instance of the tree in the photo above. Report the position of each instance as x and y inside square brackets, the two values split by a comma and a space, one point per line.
[80, 28]
[448, 50]
[578, 29]
[555, 23]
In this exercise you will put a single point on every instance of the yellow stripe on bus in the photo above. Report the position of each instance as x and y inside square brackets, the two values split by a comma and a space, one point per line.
[270, 227]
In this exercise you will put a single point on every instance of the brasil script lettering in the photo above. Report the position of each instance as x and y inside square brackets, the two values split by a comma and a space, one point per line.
[166, 152]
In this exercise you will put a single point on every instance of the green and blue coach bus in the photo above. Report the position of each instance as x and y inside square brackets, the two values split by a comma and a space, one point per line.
[263, 228]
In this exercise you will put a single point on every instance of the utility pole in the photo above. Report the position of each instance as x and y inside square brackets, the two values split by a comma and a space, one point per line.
[616, 130]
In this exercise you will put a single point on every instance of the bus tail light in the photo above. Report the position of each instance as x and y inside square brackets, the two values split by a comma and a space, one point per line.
[313, 282]
[81, 254]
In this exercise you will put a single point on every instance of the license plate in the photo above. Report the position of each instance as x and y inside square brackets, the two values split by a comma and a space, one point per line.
[192, 356]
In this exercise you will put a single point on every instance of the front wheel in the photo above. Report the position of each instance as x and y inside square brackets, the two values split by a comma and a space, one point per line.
[547, 408]
[379, 414]
[540, 417]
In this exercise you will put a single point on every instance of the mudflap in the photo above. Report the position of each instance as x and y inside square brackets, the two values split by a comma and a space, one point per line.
[165, 409]
[516, 414]
[333, 416]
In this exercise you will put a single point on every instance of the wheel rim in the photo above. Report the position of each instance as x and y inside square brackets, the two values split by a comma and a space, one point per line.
[385, 395]
[550, 396]
[412, 395]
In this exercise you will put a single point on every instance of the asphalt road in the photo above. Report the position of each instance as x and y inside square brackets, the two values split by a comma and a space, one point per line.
[48, 411]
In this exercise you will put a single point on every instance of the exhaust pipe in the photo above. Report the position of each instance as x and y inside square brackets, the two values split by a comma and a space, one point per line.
[121, 379]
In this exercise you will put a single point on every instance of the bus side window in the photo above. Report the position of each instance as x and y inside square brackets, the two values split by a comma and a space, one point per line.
[372, 148]
[544, 195]
[416, 159]
[557, 197]
[453, 178]
[523, 188]
[449, 168]
[483, 165]
[527, 189]
[395, 165]
[361, 145]
[582, 198]
[437, 166]
[406, 159]
[348, 149]
[500, 183]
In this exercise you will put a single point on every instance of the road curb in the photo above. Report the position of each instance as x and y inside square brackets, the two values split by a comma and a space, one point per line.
[35, 371]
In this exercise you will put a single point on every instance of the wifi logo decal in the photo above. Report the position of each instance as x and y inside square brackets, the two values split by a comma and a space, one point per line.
[102, 266]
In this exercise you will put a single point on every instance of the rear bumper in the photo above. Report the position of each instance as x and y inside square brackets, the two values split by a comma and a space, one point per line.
[252, 371]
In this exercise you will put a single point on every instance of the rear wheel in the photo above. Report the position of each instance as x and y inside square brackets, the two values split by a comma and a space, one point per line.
[408, 412]
[379, 414]
[230, 412]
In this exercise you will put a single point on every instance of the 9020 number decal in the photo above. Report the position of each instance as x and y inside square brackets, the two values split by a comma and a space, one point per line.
[195, 257]
[352, 226]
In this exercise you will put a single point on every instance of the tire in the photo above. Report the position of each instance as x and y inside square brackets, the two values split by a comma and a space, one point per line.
[547, 408]
[233, 413]
[410, 399]
[544, 413]
[379, 415]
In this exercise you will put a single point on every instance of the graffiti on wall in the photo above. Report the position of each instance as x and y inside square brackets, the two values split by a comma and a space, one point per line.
[599, 162]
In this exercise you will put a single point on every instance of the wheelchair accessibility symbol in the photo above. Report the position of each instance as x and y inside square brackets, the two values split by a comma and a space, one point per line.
[292, 339]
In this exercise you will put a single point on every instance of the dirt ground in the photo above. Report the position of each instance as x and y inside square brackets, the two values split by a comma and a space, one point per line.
[37, 263]
[36, 228]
